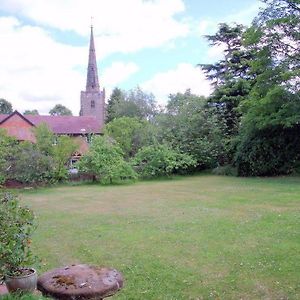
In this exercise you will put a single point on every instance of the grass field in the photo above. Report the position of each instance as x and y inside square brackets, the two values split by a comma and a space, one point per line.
[199, 237]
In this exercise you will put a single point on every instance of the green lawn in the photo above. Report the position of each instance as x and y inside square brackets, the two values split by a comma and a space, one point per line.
[199, 237]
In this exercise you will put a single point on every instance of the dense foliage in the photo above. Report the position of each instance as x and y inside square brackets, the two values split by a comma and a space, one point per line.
[105, 161]
[159, 160]
[33, 163]
[249, 124]
[60, 110]
[17, 224]
[5, 107]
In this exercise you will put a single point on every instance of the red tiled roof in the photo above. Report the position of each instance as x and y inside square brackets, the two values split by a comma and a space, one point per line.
[67, 124]
[2, 117]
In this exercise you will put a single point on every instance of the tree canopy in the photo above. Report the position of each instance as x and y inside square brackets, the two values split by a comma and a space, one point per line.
[5, 107]
[60, 110]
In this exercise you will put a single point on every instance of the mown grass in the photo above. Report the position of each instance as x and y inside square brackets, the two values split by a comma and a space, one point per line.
[199, 237]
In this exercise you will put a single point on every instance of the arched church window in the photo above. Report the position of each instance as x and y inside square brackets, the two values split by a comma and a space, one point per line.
[93, 104]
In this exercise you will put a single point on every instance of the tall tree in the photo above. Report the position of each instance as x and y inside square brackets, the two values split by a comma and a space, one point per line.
[191, 127]
[230, 76]
[5, 107]
[60, 110]
[131, 134]
[116, 98]
[269, 140]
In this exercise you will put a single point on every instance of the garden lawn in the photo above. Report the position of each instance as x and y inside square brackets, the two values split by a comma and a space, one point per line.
[198, 237]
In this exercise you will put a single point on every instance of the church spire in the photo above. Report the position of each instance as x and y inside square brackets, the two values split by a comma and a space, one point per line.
[92, 83]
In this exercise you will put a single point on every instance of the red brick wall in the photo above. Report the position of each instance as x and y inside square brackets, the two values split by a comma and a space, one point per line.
[19, 128]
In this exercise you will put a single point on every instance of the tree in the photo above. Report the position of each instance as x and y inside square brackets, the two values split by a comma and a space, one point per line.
[193, 128]
[116, 98]
[31, 112]
[60, 110]
[269, 135]
[45, 139]
[230, 76]
[131, 134]
[134, 104]
[105, 160]
[277, 28]
[5, 107]
[62, 151]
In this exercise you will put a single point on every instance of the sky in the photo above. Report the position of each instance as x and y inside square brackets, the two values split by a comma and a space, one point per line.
[153, 44]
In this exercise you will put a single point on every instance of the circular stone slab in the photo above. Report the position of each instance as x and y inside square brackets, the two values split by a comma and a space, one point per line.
[80, 282]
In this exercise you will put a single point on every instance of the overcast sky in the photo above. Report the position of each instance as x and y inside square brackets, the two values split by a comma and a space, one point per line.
[154, 44]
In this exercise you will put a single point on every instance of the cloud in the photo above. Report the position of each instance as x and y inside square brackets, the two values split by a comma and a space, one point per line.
[118, 72]
[36, 72]
[184, 76]
[210, 26]
[119, 26]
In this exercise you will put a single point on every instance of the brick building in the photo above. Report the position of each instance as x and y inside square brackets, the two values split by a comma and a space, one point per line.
[90, 121]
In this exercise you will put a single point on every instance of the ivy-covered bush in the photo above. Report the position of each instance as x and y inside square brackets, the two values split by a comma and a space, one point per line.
[159, 160]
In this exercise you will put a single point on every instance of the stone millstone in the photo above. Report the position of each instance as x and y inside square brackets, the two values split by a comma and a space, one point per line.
[80, 282]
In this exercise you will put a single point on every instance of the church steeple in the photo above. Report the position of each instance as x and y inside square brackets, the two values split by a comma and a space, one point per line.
[92, 82]
[92, 100]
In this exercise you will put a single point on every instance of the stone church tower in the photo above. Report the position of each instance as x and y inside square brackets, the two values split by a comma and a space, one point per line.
[92, 100]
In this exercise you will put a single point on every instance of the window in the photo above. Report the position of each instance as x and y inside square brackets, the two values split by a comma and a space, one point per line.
[92, 104]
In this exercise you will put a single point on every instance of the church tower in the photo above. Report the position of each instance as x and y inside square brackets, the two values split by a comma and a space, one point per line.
[92, 100]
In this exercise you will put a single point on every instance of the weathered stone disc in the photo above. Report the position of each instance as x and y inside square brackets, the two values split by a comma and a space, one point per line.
[80, 282]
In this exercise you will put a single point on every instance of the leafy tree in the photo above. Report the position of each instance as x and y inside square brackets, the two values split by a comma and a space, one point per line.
[62, 151]
[131, 134]
[5, 107]
[230, 76]
[117, 97]
[269, 135]
[193, 128]
[135, 104]
[60, 110]
[159, 160]
[105, 160]
[31, 112]
[45, 139]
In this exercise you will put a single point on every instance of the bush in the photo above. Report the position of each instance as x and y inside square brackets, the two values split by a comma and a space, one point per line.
[268, 152]
[105, 160]
[17, 224]
[7, 150]
[159, 160]
[29, 165]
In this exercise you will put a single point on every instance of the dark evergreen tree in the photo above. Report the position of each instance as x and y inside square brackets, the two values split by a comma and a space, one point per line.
[116, 98]
[5, 107]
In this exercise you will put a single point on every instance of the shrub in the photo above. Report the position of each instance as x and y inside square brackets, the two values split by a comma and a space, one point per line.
[158, 160]
[17, 224]
[268, 152]
[105, 160]
[7, 150]
[29, 165]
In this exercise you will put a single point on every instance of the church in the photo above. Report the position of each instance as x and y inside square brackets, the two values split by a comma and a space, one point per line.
[90, 119]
